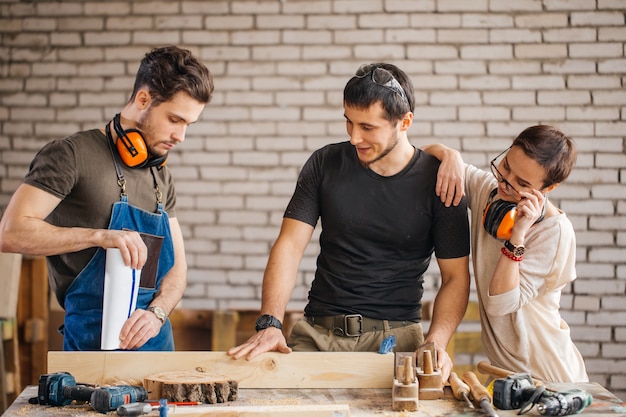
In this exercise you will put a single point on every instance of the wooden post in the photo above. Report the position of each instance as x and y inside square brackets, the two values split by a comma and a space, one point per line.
[224, 330]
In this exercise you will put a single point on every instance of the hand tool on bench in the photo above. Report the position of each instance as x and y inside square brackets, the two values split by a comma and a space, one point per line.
[460, 389]
[479, 393]
[405, 393]
[496, 372]
[429, 377]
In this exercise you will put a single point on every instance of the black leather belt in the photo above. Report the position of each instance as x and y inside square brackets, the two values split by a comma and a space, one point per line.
[355, 324]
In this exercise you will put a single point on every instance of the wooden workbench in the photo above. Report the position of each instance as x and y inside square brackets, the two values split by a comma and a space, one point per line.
[332, 402]
[300, 384]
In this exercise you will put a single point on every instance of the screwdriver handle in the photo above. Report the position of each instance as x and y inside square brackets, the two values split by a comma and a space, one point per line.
[458, 387]
[478, 391]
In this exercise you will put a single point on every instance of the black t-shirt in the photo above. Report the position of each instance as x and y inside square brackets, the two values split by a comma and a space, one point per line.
[378, 233]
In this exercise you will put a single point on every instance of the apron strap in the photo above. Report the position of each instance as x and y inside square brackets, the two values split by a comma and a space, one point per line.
[121, 181]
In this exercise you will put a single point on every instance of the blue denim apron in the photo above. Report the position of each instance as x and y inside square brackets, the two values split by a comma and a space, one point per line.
[84, 298]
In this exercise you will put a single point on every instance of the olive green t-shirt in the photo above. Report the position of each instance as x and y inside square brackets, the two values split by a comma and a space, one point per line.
[79, 170]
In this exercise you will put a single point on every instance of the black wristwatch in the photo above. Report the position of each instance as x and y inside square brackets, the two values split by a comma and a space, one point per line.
[516, 250]
[265, 321]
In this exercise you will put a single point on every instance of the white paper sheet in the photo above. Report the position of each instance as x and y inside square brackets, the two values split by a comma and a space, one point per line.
[121, 286]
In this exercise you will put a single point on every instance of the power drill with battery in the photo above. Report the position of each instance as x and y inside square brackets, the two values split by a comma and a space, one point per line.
[518, 391]
[59, 389]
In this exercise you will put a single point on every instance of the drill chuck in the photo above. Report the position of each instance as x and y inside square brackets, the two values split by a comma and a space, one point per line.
[564, 403]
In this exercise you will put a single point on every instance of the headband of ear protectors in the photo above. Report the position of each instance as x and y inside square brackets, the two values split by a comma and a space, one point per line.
[132, 148]
[499, 217]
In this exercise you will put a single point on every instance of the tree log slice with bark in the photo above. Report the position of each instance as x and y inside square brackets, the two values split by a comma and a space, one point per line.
[190, 386]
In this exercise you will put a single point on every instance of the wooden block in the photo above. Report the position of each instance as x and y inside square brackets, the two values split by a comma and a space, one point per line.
[269, 370]
[10, 268]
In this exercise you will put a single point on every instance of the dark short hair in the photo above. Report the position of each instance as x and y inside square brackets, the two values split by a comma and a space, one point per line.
[551, 148]
[361, 92]
[166, 71]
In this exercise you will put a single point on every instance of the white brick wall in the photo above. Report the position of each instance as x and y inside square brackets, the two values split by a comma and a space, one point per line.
[483, 71]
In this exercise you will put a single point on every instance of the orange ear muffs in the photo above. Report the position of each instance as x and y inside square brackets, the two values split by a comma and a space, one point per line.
[132, 148]
[499, 218]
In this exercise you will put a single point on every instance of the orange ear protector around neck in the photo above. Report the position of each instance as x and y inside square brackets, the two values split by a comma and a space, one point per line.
[132, 148]
[499, 217]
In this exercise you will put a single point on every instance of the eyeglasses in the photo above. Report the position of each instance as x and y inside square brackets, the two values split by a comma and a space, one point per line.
[383, 78]
[500, 178]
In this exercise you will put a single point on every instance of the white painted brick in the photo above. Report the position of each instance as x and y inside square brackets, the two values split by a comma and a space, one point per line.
[607, 222]
[477, 113]
[600, 254]
[588, 350]
[610, 129]
[596, 207]
[410, 36]
[38, 24]
[514, 67]
[567, 35]
[608, 191]
[509, 97]
[607, 34]
[602, 318]
[358, 36]
[589, 113]
[125, 22]
[611, 66]
[538, 82]
[463, 36]
[514, 36]
[460, 67]
[379, 52]
[494, 52]
[460, 5]
[532, 114]
[542, 20]
[597, 19]
[428, 113]
[587, 303]
[522, 6]
[486, 82]
[568, 5]
[592, 333]
[613, 350]
[350, 6]
[591, 238]
[560, 97]
[481, 20]
[243, 247]
[547, 51]
[84, 23]
[338, 22]
[435, 20]
[599, 50]
[164, 7]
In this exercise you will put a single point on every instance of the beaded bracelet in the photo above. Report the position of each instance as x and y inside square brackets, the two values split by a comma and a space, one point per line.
[511, 256]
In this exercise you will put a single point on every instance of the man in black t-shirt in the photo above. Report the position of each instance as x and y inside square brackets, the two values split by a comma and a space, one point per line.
[381, 222]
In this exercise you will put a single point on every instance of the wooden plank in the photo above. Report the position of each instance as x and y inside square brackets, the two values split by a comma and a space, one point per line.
[10, 266]
[305, 410]
[269, 370]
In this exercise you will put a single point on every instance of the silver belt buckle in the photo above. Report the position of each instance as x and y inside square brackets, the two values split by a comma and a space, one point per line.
[347, 329]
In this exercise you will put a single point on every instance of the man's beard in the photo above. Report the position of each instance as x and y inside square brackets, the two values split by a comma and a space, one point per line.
[387, 151]
[145, 127]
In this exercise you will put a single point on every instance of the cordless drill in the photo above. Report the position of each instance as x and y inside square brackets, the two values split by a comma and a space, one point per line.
[60, 389]
[519, 391]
